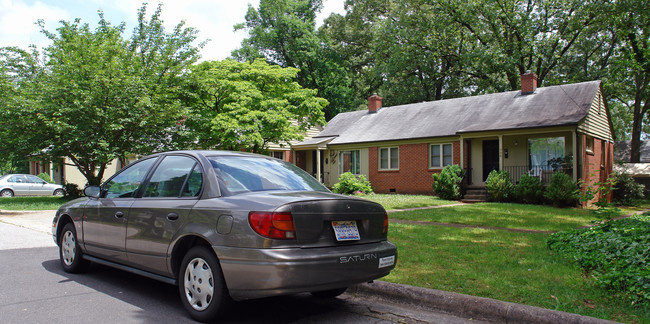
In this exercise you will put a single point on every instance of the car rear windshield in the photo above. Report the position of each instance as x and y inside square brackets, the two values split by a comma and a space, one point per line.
[239, 174]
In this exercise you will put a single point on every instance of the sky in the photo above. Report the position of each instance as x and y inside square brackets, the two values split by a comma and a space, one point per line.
[213, 18]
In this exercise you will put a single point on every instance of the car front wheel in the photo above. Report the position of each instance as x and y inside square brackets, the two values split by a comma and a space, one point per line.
[6, 193]
[201, 285]
[70, 254]
[59, 192]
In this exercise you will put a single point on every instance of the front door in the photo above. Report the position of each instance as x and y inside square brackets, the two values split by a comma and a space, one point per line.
[105, 218]
[490, 157]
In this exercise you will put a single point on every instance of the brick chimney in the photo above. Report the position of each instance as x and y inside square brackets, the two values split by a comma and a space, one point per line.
[374, 103]
[528, 82]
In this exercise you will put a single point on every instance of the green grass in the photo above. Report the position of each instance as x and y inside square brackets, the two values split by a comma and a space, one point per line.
[394, 201]
[532, 217]
[508, 266]
[32, 203]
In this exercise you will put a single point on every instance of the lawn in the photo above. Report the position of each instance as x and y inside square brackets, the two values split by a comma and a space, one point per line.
[394, 201]
[533, 217]
[32, 203]
[504, 265]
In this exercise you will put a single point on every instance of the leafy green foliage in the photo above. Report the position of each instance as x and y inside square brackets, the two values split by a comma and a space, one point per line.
[46, 177]
[617, 255]
[72, 190]
[626, 189]
[97, 97]
[351, 184]
[446, 184]
[562, 191]
[246, 106]
[284, 33]
[499, 186]
[529, 190]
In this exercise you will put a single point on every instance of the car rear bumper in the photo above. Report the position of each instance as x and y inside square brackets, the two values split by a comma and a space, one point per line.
[256, 273]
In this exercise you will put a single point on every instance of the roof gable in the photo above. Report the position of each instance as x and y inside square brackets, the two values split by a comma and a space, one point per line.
[548, 106]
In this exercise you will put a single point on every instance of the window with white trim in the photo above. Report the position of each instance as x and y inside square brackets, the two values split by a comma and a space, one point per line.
[350, 161]
[440, 155]
[278, 154]
[389, 158]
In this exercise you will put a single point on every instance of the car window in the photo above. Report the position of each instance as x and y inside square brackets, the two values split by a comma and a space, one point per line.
[238, 174]
[126, 183]
[173, 175]
[17, 179]
[34, 179]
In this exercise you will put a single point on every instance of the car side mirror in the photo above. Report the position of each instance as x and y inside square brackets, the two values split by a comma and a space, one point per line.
[92, 191]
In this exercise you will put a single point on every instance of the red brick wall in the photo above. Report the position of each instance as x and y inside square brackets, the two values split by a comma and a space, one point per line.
[413, 176]
[594, 168]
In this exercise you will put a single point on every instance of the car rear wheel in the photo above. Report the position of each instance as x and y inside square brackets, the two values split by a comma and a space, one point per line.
[201, 285]
[70, 254]
[59, 192]
[329, 293]
[6, 193]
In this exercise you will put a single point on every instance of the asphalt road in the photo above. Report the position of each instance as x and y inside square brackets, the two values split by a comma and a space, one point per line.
[36, 290]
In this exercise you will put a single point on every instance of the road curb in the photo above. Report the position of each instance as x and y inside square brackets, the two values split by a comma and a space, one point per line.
[466, 306]
[22, 212]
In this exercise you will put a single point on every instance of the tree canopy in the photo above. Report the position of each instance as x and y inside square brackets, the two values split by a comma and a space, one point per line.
[247, 105]
[420, 50]
[98, 96]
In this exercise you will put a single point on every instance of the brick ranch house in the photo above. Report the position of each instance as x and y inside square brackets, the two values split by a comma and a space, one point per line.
[535, 131]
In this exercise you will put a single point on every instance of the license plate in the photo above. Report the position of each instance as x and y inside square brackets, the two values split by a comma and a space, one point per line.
[346, 230]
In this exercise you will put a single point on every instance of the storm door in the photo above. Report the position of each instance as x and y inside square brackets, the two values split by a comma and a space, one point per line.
[490, 157]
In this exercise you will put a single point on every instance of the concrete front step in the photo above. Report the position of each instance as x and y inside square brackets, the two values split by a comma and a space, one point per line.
[475, 197]
[472, 201]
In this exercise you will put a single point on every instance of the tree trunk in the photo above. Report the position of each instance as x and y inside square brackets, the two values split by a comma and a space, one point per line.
[637, 126]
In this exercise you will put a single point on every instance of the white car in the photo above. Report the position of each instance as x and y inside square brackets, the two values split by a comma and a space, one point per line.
[28, 185]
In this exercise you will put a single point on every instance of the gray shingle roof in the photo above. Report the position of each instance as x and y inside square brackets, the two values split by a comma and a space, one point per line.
[548, 106]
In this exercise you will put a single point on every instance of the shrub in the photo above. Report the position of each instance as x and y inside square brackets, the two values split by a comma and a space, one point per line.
[529, 190]
[45, 177]
[562, 191]
[72, 190]
[446, 184]
[499, 186]
[349, 184]
[613, 254]
[626, 189]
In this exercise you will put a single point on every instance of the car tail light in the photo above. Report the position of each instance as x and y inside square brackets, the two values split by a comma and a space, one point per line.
[273, 225]
[385, 229]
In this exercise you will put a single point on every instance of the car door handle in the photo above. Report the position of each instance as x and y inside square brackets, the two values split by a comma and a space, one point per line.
[119, 214]
[172, 216]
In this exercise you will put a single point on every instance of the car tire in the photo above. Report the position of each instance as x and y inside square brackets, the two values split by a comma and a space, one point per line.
[6, 193]
[201, 285]
[59, 192]
[329, 293]
[70, 254]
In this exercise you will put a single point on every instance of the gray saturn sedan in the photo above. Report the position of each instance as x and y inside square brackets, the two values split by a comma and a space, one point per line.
[225, 226]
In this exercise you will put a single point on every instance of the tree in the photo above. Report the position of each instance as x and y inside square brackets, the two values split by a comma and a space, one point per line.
[247, 105]
[19, 73]
[630, 68]
[517, 36]
[284, 33]
[103, 97]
